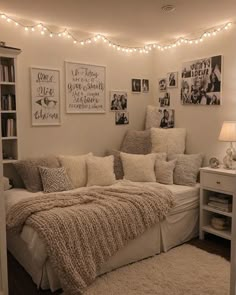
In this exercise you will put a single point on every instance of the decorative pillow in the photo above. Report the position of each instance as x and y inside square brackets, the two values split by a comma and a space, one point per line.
[153, 117]
[29, 172]
[76, 168]
[187, 168]
[165, 171]
[100, 171]
[55, 179]
[136, 142]
[139, 168]
[171, 141]
[118, 168]
[6, 184]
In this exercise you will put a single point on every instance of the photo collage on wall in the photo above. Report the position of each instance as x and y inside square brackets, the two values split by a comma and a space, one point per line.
[119, 105]
[201, 81]
[165, 85]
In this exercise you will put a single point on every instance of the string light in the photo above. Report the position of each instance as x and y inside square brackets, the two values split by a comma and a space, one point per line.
[43, 29]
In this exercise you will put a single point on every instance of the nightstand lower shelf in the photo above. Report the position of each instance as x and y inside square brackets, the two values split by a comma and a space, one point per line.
[226, 234]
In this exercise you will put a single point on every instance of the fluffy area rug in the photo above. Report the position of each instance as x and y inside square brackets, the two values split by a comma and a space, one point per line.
[183, 270]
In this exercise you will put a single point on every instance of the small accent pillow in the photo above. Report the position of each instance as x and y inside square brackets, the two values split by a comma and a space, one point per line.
[136, 142]
[171, 141]
[140, 168]
[100, 171]
[6, 184]
[187, 168]
[29, 172]
[153, 117]
[55, 179]
[165, 171]
[118, 168]
[76, 168]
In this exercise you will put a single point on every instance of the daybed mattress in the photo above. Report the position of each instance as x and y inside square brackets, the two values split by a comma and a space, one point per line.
[180, 225]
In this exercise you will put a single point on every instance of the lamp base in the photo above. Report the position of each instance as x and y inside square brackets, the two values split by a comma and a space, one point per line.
[228, 159]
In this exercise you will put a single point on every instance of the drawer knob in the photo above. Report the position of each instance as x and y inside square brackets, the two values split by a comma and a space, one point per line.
[218, 182]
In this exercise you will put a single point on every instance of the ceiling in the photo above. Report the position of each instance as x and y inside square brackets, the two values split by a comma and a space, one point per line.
[130, 21]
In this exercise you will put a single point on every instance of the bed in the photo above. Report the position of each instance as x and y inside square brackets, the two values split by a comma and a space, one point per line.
[179, 226]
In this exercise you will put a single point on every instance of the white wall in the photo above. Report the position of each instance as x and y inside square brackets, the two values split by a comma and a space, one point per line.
[78, 133]
[203, 123]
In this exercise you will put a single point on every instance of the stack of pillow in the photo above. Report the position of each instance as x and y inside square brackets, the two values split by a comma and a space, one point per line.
[143, 158]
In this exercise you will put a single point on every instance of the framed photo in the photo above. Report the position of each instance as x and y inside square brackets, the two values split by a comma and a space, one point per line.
[85, 88]
[162, 84]
[164, 100]
[167, 118]
[201, 81]
[45, 96]
[145, 85]
[122, 118]
[136, 85]
[172, 80]
[118, 100]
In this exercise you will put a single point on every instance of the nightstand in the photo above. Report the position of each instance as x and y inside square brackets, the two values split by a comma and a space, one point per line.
[217, 183]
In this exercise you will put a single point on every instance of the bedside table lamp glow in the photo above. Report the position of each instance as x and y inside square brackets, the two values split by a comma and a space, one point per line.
[228, 133]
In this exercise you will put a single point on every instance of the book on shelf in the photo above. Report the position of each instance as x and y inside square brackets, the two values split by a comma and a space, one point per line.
[7, 73]
[8, 102]
[8, 127]
[221, 199]
[220, 206]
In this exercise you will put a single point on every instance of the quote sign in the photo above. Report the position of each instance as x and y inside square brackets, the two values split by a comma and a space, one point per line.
[45, 95]
[85, 88]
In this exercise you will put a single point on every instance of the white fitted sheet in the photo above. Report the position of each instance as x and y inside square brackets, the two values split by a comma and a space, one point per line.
[180, 225]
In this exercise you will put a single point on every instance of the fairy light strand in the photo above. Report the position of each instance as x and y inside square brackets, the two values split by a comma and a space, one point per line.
[45, 30]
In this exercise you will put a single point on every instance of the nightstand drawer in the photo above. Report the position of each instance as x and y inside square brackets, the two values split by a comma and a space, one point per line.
[219, 181]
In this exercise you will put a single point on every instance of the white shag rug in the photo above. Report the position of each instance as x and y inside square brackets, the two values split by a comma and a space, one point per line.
[185, 270]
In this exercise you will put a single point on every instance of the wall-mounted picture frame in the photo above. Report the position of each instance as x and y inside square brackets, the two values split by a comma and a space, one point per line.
[118, 101]
[145, 85]
[45, 96]
[164, 100]
[172, 80]
[162, 84]
[136, 85]
[85, 88]
[167, 118]
[122, 118]
[201, 81]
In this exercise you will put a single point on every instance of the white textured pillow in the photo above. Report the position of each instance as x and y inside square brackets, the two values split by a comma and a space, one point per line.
[139, 168]
[165, 171]
[153, 117]
[76, 168]
[6, 184]
[100, 171]
[171, 141]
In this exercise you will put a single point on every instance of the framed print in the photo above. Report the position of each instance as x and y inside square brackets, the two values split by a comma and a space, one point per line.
[118, 100]
[85, 88]
[167, 118]
[172, 80]
[164, 100]
[136, 85]
[122, 118]
[45, 96]
[145, 85]
[201, 81]
[162, 84]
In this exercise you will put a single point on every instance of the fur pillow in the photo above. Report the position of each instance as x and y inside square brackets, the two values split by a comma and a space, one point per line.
[76, 168]
[187, 168]
[171, 141]
[100, 171]
[165, 171]
[140, 168]
[29, 172]
[55, 179]
[136, 142]
[153, 117]
[118, 168]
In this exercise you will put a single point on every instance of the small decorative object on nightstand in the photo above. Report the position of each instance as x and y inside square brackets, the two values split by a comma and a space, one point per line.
[228, 133]
[214, 163]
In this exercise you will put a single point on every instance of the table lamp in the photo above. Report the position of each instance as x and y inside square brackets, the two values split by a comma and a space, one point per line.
[228, 133]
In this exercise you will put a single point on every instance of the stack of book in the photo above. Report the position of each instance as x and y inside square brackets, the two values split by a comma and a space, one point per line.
[7, 73]
[8, 102]
[221, 202]
[8, 127]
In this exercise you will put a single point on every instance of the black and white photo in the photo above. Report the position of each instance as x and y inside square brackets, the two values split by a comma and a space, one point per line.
[145, 85]
[172, 80]
[122, 118]
[167, 118]
[201, 81]
[136, 85]
[162, 84]
[164, 100]
[118, 100]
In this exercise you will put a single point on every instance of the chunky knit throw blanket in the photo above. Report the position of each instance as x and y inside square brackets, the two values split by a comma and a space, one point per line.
[81, 230]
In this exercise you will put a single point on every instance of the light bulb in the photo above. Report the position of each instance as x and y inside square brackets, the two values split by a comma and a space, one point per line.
[82, 42]
[74, 41]
[32, 29]
[59, 35]
[3, 16]
[8, 20]
[42, 33]
[26, 29]
[51, 35]
[16, 23]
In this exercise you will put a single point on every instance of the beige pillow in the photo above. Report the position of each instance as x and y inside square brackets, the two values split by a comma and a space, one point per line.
[171, 141]
[187, 168]
[153, 117]
[140, 168]
[76, 168]
[118, 168]
[165, 171]
[100, 171]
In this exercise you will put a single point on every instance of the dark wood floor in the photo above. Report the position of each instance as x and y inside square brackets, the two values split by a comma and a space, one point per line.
[20, 283]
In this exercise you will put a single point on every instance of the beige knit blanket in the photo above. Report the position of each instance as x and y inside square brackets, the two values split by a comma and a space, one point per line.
[81, 230]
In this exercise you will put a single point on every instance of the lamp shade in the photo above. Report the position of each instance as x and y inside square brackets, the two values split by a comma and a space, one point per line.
[228, 131]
